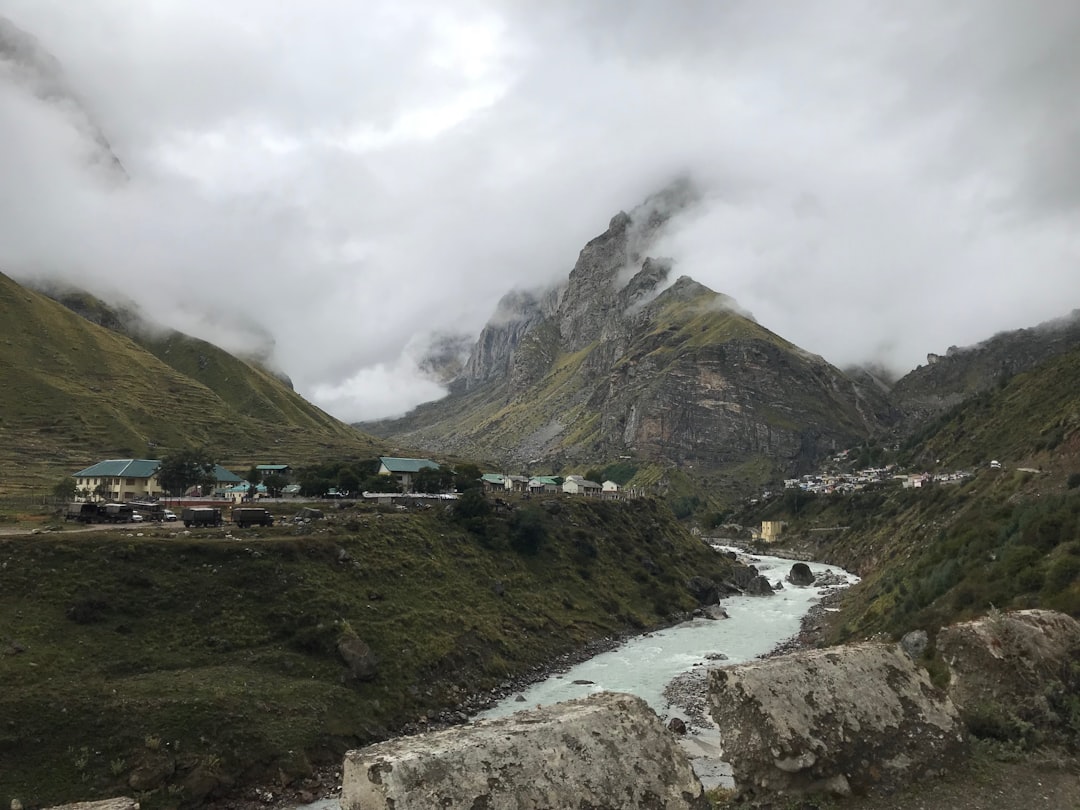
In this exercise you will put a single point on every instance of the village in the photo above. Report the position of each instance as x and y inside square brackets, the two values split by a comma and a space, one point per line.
[135, 481]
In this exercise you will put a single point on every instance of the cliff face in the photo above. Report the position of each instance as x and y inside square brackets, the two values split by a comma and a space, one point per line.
[623, 359]
[946, 380]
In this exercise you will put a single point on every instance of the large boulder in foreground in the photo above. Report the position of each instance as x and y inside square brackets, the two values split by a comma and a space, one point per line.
[839, 720]
[1009, 671]
[608, 751]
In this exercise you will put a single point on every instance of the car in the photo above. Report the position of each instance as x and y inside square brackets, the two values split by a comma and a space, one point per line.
[136, 518]
[168, 515]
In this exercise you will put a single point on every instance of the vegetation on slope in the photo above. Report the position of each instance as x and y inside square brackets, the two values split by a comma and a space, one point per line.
[75, 392]
[1006, 538]
[173, 664]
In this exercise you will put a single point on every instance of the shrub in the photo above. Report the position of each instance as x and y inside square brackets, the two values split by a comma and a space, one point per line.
[528, 530]
[1073, 481]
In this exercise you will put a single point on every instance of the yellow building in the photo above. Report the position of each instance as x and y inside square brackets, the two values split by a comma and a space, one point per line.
[771, 530]
[120, 479]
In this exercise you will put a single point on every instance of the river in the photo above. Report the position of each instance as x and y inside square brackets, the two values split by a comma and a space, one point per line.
[652, 664]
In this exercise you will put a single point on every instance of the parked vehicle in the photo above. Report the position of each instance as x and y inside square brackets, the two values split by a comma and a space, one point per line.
[168, 515]
[100, 512]
[202, 516]
[244, 516]
[150, 510]
[137, 518]
[82, 512]
[115, 512]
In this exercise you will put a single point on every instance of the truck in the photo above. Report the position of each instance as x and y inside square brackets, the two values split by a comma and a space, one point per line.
[82, 512]
[201, 516]
[150, 510]
[115, 512]
[244, 516]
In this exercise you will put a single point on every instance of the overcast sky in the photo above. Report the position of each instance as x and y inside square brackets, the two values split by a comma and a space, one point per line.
[343, 178]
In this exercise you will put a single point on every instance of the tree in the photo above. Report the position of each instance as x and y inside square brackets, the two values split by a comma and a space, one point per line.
[65, 488]
[348, 481]
[432, 480]
[275, 483]
[467, 476]
[253, 476]
[184, 469]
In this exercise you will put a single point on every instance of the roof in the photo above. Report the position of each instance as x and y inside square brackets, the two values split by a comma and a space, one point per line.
[246, 488]
[407, 465]
[544, 480]
[272, 467]
[143, 468]
[492, 478]
[223, 476]
[120, 468]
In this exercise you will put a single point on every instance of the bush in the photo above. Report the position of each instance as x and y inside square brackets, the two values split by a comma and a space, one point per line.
[1073, 481]
[528, 530]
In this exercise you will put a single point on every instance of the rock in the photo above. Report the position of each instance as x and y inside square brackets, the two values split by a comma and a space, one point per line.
[1006, 664]
[572, 754]
[914, 644]
[759, 586]
[362, 663]
[837, 720]
[16, 804]
[715, 612]
[519, 699]
[716, 656]
[151, 774]
[704, 590]
[801, 575]
[743, 575]
[582, 683]
[676, 725]
[119, 803]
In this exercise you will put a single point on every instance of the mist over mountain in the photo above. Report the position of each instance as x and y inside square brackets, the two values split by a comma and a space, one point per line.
[871, 182]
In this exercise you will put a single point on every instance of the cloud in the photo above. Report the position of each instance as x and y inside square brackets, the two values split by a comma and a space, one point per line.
[333, 181]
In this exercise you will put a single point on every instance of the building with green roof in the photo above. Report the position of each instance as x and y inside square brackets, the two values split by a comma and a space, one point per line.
[132, 479]
[403, 469]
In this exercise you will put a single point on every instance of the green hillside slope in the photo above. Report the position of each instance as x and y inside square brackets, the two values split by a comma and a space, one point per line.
[1005, 538]
[177, 666]
[72, 392]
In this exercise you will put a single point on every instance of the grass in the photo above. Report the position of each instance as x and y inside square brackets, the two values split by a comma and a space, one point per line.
[83, 393]
[220, 656]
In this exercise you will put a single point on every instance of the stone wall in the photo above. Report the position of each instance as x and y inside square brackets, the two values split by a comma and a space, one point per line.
[605, 752]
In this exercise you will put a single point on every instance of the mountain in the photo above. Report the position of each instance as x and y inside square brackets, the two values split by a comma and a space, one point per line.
[626, 360]
[74, 391]
[26, 63]
[946, 380]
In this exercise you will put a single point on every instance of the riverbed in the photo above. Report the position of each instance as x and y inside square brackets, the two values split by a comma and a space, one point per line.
[667, 668]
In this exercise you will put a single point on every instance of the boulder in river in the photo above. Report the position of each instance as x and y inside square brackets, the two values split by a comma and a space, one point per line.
[801, 575]
[759, 586]
[609, 750]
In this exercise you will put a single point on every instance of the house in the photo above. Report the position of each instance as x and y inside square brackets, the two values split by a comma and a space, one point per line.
[771, 530]
[492, 482]
[242, 492]
[266, 470]
[610, 491]
[133, 479]
[120, 479]
[516, 483]
[578, 485]
[404, 469]
[544, 484]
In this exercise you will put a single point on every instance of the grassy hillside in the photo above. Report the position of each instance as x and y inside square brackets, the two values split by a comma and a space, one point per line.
[1005, 538]
[74, 392]
[177, 664]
